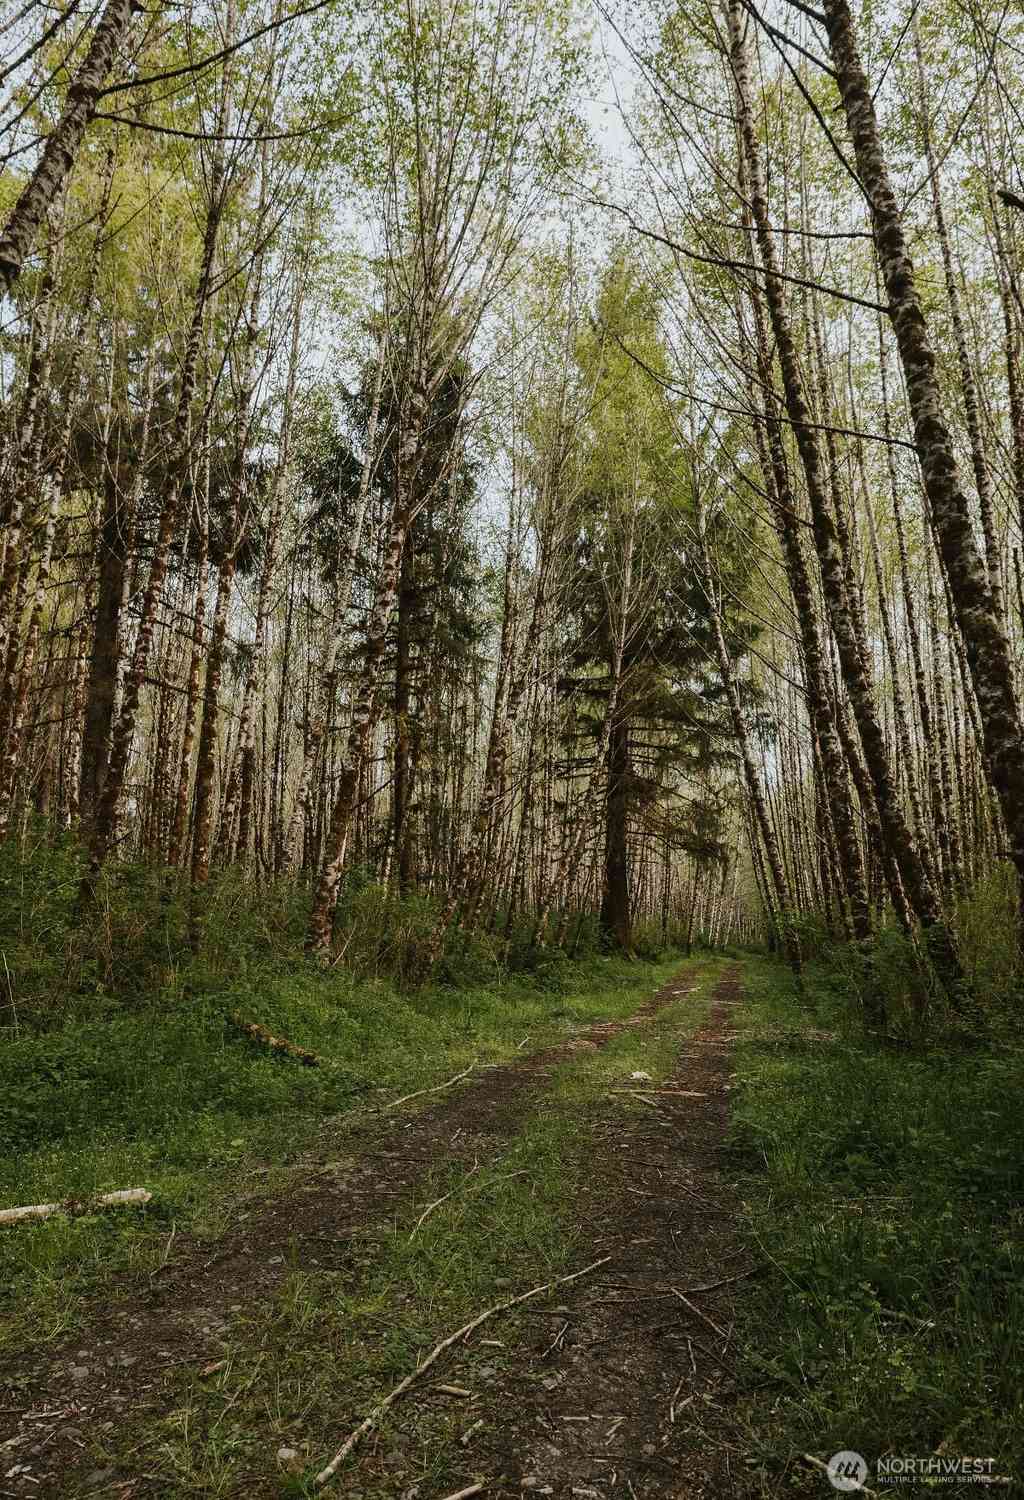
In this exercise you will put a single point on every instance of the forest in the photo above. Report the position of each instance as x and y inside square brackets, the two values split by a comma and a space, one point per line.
[511, 748]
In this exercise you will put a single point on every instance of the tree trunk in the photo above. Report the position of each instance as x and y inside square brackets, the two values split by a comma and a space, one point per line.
[987, 648]
[367, 706]
[754, 789]
[54, 166]
[919, 889]
[615, 904]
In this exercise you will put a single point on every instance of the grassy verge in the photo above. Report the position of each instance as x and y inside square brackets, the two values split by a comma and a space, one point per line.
[884, 1188]
[302, 1370]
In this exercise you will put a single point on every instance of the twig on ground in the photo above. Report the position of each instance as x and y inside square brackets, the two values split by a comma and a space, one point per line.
[664, 1093]
[437, 1204]
[487, 1182]
[435, 1090]
[474, 1427]
[715, 1358]
[471, 1489]
[674, 1408]
[922, 1323]
[717, 1207]
[559, 1336]
[710, 1286]
[369, 1422]
[709, 1321]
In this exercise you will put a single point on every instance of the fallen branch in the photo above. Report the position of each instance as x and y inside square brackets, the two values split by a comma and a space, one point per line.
[487, 1182]
[437, 1204]
[369, 1422]
[662, 1093]
[280, 1044]
[74, 1206]
[435, 1090]
[710, 1286]
[472, 1489]
[694, 1309]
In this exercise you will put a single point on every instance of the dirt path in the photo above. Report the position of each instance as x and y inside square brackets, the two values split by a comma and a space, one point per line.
[57, 1402]
[624, 1389]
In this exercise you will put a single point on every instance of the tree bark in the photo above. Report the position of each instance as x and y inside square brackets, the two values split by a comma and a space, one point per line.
[985, 640]
[919, 889]
[51, 171]
[615, 917]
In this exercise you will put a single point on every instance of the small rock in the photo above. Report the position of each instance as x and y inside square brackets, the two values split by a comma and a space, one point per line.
[99, 1476]
[276, 1260]
[487, 1372]
[236, 1307]
[128, 1359]
[290, 1459]
[640, 1077]
[551, 1382]
[79, 1372]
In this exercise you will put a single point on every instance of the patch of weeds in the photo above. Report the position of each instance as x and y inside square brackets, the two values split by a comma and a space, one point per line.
[883, 1189]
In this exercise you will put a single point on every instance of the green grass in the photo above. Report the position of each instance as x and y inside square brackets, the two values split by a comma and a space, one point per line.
[121, 1068]
[304, 1368]
[174, 1099]
[884, 1186]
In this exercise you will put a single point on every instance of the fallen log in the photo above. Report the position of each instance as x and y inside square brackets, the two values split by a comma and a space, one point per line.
[74, 1206]
[257, 1033]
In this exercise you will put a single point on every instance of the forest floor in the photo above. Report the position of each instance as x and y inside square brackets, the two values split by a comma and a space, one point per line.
[237, 1368]
[754, 1237]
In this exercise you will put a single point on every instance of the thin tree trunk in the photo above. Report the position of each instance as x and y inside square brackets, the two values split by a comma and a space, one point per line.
[919, 889]
[988, 652]
[367, 706]
[51, 172]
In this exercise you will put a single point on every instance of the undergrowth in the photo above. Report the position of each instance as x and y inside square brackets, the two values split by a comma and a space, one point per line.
[891, 981]
[884, 1189]
[122, 1066]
